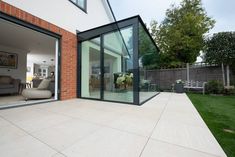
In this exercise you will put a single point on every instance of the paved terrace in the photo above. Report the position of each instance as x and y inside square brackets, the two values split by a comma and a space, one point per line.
[166, 126]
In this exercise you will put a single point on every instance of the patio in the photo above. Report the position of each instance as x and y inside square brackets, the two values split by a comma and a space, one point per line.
[167, 125]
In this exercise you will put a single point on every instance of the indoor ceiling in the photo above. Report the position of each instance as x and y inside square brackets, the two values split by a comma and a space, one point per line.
[95, 55]
[40, 47]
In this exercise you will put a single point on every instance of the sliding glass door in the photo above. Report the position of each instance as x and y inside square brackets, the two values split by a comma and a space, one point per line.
[107, 66]
[118, 64]
[114, 61]
[90, 69]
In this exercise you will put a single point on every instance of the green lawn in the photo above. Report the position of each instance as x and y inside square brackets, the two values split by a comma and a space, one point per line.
[219, 114]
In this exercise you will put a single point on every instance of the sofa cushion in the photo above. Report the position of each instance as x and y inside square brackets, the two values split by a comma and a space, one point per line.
[5, 80]
[44, 84]
[4, 86]
[34, 93]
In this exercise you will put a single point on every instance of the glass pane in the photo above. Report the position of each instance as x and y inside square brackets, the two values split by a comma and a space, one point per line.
[148, 59]
[118, 66]
[81, 3]
[91, 69]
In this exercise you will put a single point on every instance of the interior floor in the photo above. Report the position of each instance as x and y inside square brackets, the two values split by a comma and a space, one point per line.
[122, 96]
[18, 100]
[28, 59]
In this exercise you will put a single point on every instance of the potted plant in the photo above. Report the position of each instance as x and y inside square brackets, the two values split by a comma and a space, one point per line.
[121, 81]
[129, 79]
[144, 85]
[124, 81]
[179, 86]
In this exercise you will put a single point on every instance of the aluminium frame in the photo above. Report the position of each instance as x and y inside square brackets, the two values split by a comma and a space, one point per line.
[36, 28]
[134, 21]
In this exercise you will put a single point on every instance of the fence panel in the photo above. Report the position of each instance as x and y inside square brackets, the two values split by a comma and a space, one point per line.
[164, 78]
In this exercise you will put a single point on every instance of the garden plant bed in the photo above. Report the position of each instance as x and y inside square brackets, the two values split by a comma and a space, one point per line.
[219, 114]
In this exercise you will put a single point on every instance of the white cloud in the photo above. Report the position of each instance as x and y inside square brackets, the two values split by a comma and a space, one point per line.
[223, 12]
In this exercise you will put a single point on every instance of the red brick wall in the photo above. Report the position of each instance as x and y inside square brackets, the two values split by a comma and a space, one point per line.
[68, 48]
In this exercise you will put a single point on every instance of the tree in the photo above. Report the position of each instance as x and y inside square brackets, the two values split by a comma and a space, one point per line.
[181, 34]
[148, 53]
[220, 49]
[154, 30]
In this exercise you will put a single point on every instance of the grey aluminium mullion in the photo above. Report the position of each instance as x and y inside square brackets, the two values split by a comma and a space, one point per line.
[136, 62]
[79, 69]
[100, 32]
[102, 67]
[59, 70]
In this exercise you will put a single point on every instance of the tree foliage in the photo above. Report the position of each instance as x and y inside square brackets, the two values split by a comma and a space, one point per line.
[180, 36]
[148, 52]
[220, 48]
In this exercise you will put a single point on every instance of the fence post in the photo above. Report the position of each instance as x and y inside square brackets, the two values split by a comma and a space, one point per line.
[222, 65]
[228, 77]
[187, 65]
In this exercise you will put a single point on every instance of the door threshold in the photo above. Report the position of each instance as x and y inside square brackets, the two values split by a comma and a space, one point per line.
[23, 104]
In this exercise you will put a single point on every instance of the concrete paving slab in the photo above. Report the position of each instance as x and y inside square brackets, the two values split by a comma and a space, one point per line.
[3, 122]
[161, 149]
[10, 133]
[26, 146]
[66, 134]
[108, 142]
[185, 128]
[168, 125]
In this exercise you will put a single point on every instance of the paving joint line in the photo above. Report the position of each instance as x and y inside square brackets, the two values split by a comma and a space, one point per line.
[29, 134]
[88, 121]
[95, 123]
[80, 140]
[185, 147]
[156, 125]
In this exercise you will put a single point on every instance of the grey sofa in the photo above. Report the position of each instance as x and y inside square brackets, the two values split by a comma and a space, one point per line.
[9, 85]
[41, 92]
[51, 86]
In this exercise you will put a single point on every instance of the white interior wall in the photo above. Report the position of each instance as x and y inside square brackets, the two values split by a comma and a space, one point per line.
[115, 65]
[31, 66]
[85, 72]
[50, 68]
[35, 61]
[20, 72]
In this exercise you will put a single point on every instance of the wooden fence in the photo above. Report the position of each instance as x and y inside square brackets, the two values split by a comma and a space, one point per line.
[164, 78]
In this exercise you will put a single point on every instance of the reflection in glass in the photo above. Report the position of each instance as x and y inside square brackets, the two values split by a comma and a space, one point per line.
[90, 78]
[81, 3]
[118, 64]
[108, 69]
[148, 58]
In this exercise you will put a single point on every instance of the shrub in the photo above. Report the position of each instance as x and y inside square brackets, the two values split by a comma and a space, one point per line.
[233, 82]
[214, 87]
[229, 91]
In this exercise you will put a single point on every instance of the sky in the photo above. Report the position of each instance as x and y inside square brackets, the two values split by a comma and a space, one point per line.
[223, 11]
